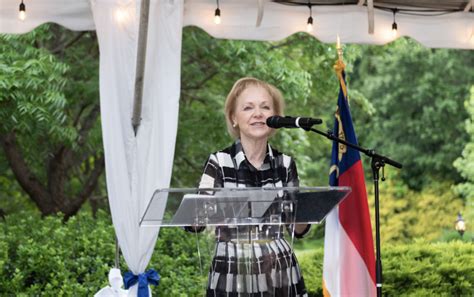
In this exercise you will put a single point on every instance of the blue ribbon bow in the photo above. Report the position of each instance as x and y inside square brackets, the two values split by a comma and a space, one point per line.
[150, 277]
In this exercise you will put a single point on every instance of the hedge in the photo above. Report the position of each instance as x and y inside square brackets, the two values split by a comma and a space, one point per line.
[417, 269]
[46, 257]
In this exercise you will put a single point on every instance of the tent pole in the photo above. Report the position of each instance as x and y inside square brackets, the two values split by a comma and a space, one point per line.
[468, 6]
[117, 253]
[370, 11]
[260, 13]
[140, 67]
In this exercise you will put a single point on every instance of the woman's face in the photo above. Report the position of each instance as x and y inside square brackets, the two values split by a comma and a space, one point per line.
[252, 108]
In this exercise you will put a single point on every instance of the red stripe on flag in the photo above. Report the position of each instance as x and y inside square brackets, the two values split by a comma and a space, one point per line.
[355, 217]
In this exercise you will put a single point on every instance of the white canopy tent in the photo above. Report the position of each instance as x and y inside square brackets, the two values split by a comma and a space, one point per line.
[138, 164]
[351, 22]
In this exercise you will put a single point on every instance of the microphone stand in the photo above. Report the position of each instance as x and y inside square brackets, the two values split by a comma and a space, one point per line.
[378, 161]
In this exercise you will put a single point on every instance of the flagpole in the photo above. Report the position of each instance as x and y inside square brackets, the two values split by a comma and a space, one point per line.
[378, 161]
[339, 48]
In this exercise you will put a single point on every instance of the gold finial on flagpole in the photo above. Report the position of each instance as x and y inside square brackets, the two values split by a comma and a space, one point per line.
[339, 66]
[339, 48]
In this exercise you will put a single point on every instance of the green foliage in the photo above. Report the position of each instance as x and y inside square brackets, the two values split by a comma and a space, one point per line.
[465, 163]
[406, 214]
[416, 269]
[31, 84]
[49, 112]
[12, 199]
[453, 235]
[424, 269]
[311, 264]
[46, 257]
[176, 256]
[418, 96]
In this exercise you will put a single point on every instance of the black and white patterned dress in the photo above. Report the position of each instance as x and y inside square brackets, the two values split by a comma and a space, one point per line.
[262, 268]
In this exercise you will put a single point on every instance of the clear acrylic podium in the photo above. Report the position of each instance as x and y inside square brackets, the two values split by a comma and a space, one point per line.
[245, 212]
[241, 206]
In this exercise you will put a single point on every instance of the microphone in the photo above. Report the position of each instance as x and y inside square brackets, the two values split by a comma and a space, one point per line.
[292, 122]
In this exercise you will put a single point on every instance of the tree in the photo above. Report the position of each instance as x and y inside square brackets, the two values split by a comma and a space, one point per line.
[465, 163]
[418, 95]
[406, 214]
[49, 109]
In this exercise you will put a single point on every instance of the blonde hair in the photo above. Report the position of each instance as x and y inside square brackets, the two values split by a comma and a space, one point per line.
[240, 86]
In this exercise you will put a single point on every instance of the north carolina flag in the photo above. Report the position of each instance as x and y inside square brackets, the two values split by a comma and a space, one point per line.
[349, 260]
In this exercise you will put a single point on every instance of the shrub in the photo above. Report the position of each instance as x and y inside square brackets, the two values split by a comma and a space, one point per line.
[417, 269]
[49, 257]
[406, 214]
[46, 257]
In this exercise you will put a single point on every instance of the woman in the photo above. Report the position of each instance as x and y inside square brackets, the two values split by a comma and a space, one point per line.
[267, 267]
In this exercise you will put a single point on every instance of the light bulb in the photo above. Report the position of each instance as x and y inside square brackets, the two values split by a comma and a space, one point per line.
[121, 15]
[394, 30]
[217, 16]
[22, 12]
[22, 15]
[309, 25]
[394, 25]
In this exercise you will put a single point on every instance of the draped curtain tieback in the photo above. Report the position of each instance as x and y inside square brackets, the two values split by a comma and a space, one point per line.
[144, 279]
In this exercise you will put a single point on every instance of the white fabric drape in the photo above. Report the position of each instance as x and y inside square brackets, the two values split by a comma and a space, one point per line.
[136, 166]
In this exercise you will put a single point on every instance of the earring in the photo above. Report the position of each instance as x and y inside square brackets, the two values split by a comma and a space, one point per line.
[234, 125]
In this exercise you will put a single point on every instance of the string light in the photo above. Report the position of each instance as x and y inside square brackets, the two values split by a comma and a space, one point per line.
[309, 24]
[121, 15]
[22, 11]
[217, 14]
[394, 25]
[124, 15]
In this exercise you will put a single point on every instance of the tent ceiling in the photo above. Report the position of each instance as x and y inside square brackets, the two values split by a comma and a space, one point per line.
[450, 25]
[446, 5]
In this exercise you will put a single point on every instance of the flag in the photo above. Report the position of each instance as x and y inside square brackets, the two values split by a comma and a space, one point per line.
[349, 260]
